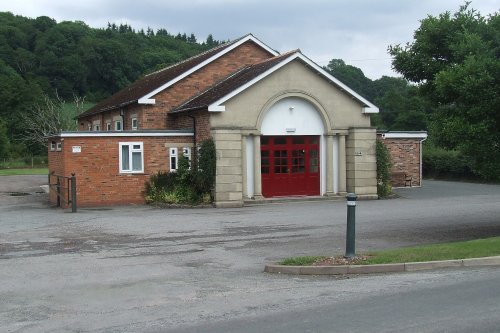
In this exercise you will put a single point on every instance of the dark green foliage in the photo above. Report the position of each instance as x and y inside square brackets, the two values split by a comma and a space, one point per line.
[445, 164]
[43, 57]
[455, 60]
[384, 188]
[401, 106]
[186, 185]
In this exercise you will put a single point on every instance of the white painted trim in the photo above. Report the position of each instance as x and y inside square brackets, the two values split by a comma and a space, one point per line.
[250, 166]
[336, 164]
[369, 107]
[322, 163]
[146, 99]
[404, 135]
[120, 134]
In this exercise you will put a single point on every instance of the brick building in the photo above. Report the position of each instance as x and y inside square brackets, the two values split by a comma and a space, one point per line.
[405, 149]
[282, 126]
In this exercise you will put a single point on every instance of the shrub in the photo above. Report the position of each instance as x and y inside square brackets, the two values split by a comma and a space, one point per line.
[445, 164]
[186, 185]
[384, 187]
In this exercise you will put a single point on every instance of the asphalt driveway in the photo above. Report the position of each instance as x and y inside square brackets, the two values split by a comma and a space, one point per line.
[138, 268]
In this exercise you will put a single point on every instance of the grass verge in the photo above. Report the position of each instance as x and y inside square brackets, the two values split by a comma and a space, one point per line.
[16, 172]
[446, 251]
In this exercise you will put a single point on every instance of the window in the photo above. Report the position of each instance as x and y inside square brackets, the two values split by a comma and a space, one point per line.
[131, 157]
[97, 127]
[134, 123]
[118, 125]
[108, 127]
[52, 145]
[173, 159]
[59, 146]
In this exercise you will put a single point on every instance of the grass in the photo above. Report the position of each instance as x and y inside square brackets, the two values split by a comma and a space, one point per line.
[301, 261]
[446, 251]
[16, 172]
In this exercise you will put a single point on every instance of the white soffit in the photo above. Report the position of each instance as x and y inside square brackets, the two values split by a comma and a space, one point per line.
[146, 99]
[122, 134]
[369, 107]
[404, 135]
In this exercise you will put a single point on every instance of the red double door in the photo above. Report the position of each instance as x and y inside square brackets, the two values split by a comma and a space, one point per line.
[290, 165]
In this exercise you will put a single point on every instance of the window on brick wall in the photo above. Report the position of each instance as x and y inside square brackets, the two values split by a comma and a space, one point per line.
[134, 123]
[52, 145]
[59, 146]
[97, 127]
[108, 127]
[131, 157]
[173, 159]
[118, 125]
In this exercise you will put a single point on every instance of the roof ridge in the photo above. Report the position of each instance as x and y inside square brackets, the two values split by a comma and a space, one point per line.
[198, 55]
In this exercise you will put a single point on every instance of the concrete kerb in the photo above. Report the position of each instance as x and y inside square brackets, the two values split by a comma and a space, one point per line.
[380, 268]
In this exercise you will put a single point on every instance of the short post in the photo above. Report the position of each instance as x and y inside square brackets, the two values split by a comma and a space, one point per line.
[73, 193]
[350, 251]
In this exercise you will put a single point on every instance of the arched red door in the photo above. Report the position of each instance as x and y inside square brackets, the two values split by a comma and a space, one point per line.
[290, 165]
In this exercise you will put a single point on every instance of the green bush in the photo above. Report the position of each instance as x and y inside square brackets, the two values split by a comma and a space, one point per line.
[186, 185]
[384, 188]
[445, 164]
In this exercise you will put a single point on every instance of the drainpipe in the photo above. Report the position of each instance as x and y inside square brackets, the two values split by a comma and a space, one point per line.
[194, 153]
[421, 162]
[122, 115]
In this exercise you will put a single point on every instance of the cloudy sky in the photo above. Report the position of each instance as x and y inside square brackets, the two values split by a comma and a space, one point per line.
[357, 31]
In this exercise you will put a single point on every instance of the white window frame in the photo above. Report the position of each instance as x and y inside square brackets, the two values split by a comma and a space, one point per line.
[52, 145]
[108, 126]
[173, 154]
[135, 123]
[131, 150]
[118, 125]
[59, 146]
[97, 127]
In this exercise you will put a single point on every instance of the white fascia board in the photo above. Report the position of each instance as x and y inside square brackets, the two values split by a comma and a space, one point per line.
[146, 100]
[120, 134]
[206, 62]
[217, 105]
[404, 135]
[369, 108]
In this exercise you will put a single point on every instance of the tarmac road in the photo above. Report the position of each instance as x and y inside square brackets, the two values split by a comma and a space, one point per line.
[136, 268]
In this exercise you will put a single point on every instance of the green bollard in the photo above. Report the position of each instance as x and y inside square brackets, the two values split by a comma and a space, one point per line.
[350, 251]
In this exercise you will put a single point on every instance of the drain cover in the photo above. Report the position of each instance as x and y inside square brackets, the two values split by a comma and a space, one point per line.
[18, 194]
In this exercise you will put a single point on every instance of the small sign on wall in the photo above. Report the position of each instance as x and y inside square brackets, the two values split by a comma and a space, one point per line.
[76, 149]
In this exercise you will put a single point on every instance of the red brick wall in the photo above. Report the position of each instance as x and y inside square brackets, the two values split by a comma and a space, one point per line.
[155, 116]
[99, 181]
[183, 121]
[405, 158]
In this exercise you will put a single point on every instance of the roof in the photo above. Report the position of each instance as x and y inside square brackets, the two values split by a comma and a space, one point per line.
[228, 85]
[214, 97]
[143, 89]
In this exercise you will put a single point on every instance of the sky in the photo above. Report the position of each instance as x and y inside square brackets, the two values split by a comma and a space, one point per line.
[357, 31]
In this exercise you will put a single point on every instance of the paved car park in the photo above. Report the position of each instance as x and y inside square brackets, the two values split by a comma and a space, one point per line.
[138, 268]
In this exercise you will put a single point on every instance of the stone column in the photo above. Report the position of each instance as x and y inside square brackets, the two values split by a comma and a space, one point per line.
[342, 165]
[257, 187]
[329, 165]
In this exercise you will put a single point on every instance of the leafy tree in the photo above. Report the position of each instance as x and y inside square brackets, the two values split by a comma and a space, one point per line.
[455, 61]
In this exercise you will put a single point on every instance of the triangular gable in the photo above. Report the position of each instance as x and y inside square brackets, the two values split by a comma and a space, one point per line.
[142, 90]
[217, 105]
[146, 99]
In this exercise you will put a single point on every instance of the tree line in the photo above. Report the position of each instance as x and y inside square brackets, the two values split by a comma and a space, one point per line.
[42, 58]
[449, 84]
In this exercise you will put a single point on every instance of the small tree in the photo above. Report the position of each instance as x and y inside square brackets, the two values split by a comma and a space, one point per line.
[50, 118]
[383, 170]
